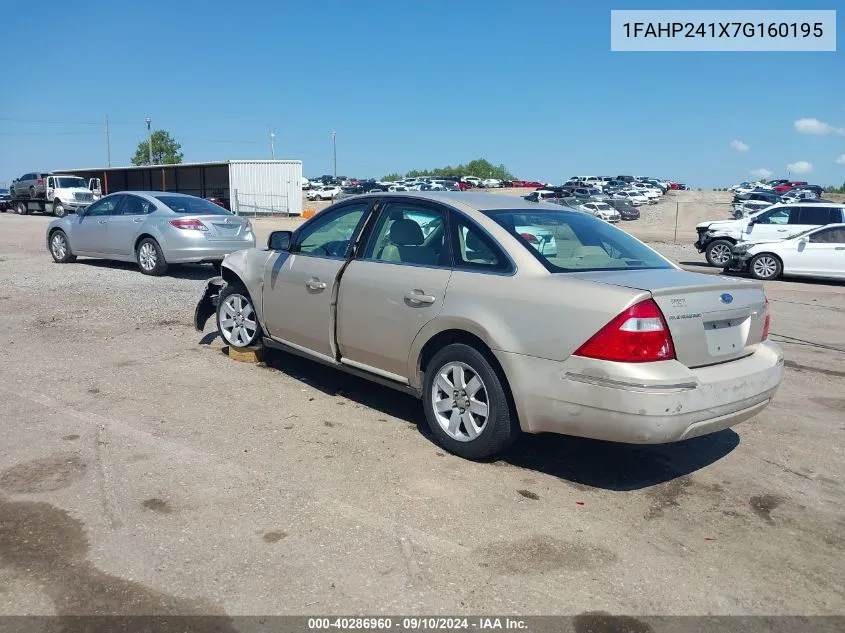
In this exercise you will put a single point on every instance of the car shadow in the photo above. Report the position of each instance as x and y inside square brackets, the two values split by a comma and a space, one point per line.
[606, 465]
[177, 271]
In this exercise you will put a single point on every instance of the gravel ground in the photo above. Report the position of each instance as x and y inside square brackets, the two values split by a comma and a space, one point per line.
[143, 471]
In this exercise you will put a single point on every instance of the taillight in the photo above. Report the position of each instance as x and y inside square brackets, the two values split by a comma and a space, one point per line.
[767, 322]
[247, 225]
[40, 181]
[638, 335]
[191, 225]
[530, 238]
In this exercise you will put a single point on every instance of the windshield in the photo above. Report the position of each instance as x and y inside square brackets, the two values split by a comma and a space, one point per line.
[67, 183]
[567, 241]
[192, 206]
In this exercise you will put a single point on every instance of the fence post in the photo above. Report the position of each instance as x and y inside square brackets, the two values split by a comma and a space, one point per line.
[236, 206]
[677, 210]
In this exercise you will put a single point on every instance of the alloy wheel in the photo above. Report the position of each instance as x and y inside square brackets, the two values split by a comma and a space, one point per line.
[765, 266]
[237, 320]
[720, 254]
[58, 244]
[459, 400]
[147, 256]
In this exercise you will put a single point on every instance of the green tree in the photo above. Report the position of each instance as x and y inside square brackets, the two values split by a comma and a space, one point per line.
[480, 167]
[392, 177]
[165, 150]
[833, 189]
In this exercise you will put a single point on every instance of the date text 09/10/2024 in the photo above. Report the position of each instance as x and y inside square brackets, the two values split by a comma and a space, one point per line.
[416, 623]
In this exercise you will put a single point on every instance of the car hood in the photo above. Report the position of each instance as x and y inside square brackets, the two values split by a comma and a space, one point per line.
[721, 224]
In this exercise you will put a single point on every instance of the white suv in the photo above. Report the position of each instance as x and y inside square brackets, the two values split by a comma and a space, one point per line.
[716, 239]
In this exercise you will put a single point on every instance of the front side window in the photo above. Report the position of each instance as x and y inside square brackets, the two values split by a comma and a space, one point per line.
[333, 234]
[569, 241]
[105, 206]
[775, 216]
[829, 236]
[409, 233]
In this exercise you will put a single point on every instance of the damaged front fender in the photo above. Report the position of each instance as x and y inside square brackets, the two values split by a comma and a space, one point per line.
[207, 305]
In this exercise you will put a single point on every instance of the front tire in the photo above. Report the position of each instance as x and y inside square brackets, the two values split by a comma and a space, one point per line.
[150, 258]
[718, 253]
[465, 404]
[765, 267]
[60, 248]
[237, 321]
[59, 210]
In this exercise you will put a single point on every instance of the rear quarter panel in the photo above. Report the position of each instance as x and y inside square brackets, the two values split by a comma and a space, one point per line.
[546, 316]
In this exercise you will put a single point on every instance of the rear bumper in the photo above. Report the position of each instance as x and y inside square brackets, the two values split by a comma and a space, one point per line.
[654, 404]
[204, 251]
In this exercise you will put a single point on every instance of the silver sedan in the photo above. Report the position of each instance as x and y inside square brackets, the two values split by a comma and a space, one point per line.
[153, 229]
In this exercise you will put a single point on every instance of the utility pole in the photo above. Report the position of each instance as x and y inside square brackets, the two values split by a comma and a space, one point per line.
[150, 138]
[334, 151]
[108, 142]
[272, 143]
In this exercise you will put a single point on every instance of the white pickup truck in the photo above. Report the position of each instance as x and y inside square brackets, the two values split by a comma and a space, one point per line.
[716, 239]
[57, 195]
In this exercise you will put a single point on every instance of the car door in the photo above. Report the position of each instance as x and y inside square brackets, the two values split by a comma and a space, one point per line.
[771, 224]
[89, 232]
[394, 286]
[300, 285]
[124, 227]
[822, 254]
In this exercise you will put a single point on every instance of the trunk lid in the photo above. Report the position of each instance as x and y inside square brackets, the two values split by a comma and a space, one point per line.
[712, 319]
[223, 228]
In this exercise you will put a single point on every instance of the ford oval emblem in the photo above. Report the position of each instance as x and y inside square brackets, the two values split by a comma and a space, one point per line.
[726, 298]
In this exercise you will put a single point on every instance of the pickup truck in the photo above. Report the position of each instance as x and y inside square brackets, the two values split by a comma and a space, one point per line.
[717, 238]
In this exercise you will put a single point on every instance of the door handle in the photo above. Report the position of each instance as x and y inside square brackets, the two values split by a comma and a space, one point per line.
[316, 284]
[839, 248]
[138, 219]
[101, 221]
[418, 298]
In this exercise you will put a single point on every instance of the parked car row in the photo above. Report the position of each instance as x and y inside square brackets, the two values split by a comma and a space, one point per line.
[751, 197]
[783, 239]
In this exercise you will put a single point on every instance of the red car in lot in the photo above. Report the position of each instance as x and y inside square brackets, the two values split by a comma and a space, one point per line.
[789, 185]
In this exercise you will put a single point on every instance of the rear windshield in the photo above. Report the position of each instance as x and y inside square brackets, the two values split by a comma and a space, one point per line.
[192, 206]
[567, 241]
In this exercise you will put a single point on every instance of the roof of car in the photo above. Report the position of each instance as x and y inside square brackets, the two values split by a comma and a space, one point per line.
[470, 200]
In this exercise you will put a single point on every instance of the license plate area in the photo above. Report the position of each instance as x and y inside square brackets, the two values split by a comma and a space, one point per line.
[726, 336]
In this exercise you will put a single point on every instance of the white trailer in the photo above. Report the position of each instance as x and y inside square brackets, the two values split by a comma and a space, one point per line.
[247, 187]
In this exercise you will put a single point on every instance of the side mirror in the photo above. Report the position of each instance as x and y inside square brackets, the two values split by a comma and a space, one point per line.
[80, 211]
[279, 240]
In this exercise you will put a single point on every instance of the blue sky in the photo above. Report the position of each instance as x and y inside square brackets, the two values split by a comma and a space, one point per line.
[408, 85]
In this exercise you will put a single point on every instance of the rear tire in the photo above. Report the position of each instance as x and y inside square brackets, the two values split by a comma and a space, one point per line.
[718, 253]
[466, 405]
[60, 248]
[22, 208]
[150, 258]
[237, 320]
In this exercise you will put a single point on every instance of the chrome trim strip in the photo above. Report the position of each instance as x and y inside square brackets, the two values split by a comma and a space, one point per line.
[374, 370]
[636, 386]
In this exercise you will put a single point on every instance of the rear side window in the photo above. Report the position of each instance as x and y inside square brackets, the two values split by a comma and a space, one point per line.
[818, 215]
[474, 250]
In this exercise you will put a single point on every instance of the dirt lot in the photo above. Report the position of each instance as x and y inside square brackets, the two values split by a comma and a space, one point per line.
[143, 471]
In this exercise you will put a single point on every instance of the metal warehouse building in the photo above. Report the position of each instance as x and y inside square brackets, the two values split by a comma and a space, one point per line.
[249, 187]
